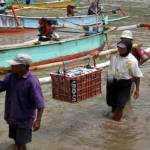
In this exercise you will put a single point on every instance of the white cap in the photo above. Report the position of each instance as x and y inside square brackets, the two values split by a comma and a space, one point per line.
[21, 59]
[127, 34]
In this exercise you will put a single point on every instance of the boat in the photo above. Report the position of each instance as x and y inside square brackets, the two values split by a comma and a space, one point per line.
[52, 4]
[81, 45]
[15, 20]
[9, 21]
[54, 51]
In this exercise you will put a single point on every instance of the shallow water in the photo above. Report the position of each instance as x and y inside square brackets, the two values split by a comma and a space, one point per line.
[83, 126]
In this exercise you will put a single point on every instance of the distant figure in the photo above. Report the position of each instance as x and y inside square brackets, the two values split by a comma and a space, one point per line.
[147, 25]
[71, 10]
[24, 102]
[94, 9]
[3, 6]
[140, 53]
[28, 2]
[47, 30]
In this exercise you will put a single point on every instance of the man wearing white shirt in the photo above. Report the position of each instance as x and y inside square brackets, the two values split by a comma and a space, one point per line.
[125, 70]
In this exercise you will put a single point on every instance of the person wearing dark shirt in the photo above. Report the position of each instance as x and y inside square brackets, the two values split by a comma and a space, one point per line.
[28, 2]
[94, 9]
[3, 6]
[24, 102]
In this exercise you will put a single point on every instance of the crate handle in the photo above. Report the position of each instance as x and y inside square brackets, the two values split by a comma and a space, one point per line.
[64, 69]
[89, 60]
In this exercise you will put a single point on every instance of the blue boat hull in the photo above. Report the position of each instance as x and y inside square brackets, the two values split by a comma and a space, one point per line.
[8, 21]
[49, 52]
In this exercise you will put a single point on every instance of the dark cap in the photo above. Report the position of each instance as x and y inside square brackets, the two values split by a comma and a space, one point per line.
[121, 45]
[125, 43]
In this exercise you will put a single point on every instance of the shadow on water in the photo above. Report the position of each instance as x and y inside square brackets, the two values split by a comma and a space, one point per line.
[83, 126]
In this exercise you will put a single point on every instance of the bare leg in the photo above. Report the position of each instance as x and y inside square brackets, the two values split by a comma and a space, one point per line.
[21, 147]
[118, 114]
[113, 109]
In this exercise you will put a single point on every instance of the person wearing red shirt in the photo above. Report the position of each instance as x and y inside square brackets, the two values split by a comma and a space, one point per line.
[46, 29]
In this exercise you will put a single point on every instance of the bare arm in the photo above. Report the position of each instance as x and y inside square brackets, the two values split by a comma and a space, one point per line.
[137, 83]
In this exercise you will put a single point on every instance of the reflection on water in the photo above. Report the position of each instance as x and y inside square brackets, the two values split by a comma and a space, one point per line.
[83, 126]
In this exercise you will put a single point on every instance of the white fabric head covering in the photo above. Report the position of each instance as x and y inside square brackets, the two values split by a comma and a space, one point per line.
[127, 34]
[21, 59]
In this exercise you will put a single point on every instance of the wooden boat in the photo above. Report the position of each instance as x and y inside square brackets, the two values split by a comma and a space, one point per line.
[9, 21]
[54, 51]
[53, 4]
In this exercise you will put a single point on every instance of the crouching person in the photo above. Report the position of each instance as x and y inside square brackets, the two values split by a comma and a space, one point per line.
[125, 70]
[24, 102]
[47, 30]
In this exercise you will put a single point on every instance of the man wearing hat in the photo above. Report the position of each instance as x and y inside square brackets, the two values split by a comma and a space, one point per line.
[23, 99]
[141, 54]
[124, 69]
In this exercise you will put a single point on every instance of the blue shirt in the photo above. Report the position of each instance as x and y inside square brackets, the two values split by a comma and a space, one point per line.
[23, 97]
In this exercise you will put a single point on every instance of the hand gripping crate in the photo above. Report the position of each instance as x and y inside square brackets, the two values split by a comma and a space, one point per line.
[78, 88]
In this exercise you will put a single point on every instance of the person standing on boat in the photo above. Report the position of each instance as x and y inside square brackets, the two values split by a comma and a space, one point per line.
[124, 70]
[94, 9]
[24, 102]
[28, 2]
[139, 52]
[3, 6]
[47, 29]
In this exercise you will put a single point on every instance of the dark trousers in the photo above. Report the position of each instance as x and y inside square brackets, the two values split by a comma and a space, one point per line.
[41, 38]
[118, 92]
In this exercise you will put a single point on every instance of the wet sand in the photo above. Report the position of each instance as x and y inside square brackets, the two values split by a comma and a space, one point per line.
[83, 125]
